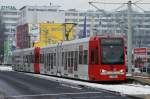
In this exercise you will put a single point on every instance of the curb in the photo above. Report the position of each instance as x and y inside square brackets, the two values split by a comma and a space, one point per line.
[100, 89]
[135, 97]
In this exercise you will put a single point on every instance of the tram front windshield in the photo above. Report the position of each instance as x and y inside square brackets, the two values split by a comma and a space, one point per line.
[112, 51]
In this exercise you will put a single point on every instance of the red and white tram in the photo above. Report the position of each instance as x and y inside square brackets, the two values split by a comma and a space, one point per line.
[96, 58]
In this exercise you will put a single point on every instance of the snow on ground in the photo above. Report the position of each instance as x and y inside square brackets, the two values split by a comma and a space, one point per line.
[5, 68]
[128, 89]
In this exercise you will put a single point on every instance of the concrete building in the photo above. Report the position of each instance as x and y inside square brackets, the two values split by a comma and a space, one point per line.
[39, 14]
[118, 23]
[9, 16]
[78, 17]
[96, 22]
[34, 15]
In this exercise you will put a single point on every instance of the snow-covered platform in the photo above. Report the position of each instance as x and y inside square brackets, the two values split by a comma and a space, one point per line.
[5, 68]
[123, 89]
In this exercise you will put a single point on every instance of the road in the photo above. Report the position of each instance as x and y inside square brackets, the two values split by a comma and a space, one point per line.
[14, 85]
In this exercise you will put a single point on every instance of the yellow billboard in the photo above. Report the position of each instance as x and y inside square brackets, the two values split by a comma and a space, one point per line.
[51, 33]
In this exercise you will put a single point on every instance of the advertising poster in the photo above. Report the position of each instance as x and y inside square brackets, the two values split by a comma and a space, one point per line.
[140, 57]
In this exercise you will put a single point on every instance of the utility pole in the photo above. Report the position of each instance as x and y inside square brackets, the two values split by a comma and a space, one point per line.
[129, 41]
[92, 26]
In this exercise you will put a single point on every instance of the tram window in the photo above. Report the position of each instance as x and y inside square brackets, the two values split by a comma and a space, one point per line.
[33, 58]
[40, 58]
[47, 59]
[76, 61]
[44, 59]
[72, 57]
[65, 68]
[85, 56]
[69, 61]
[80, 57]
[51, 60]
[62, 58]
[96, 56]
[27, 58]
[30, 60]
[24, 59]
[54, 59]
[92, 56]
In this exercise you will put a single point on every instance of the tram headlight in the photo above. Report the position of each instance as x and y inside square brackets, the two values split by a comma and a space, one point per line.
[103, 71]
[121, 71]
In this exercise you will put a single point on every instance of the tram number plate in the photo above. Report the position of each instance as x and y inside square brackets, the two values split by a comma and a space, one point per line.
[112, 76]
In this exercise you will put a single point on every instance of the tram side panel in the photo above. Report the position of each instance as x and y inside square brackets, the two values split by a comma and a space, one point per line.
[15, 61]
[29, 59]
[67, 67]
[74, 61]
[82, 68]
[48, 60]
[41, 62]
[51, 60]
[27, 67]
[18, 60]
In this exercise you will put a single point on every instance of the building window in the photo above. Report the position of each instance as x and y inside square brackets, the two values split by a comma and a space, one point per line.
[76, 61]
[80, 57]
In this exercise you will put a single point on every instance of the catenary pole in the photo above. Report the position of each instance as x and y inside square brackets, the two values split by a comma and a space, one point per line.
[129, 41]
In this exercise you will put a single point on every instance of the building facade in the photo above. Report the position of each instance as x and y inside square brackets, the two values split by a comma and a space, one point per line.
[79, 18]
[102, 23]
[97, 22]
[39, 14]
[34, 15]
[117, 23]
[9, 15]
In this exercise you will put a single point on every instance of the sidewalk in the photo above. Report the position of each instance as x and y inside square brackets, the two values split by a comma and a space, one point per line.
[144, 79]
[140, 97]
[141, 78]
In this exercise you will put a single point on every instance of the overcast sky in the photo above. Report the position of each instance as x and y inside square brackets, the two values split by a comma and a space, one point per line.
[70, 4]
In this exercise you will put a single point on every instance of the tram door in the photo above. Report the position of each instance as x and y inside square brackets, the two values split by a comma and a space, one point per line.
[93, 59]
